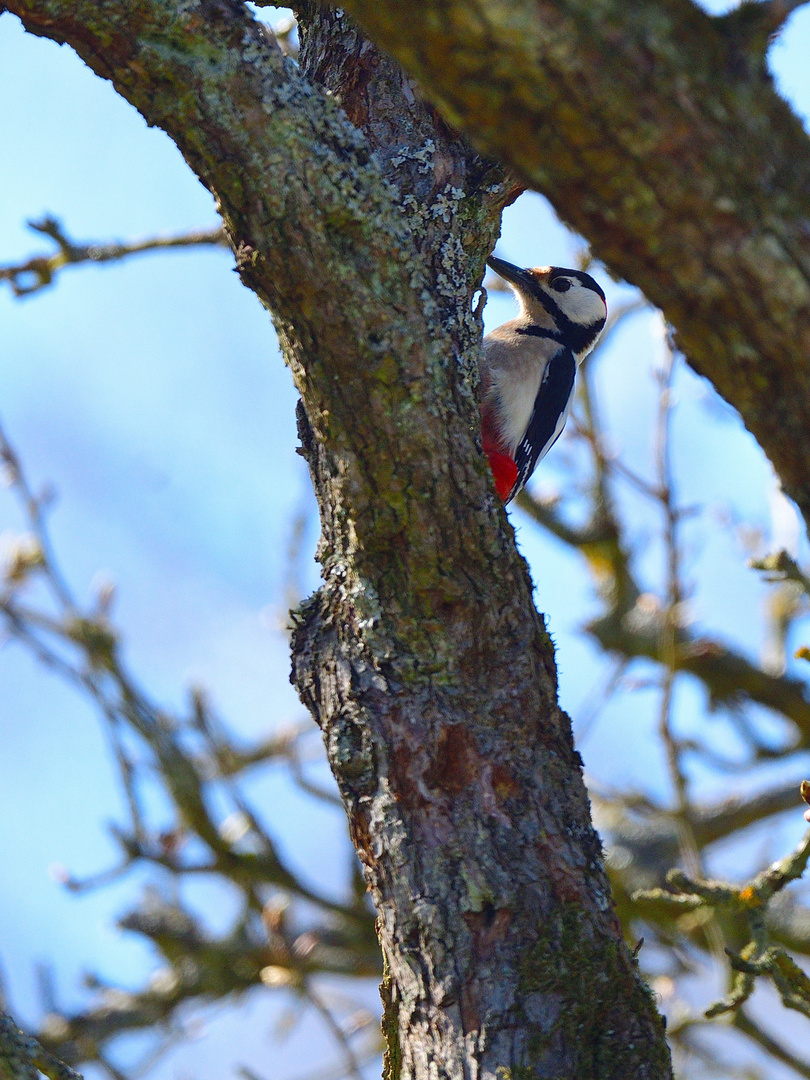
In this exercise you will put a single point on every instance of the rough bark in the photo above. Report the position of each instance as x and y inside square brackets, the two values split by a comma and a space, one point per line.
[655, 130]
[422, 657]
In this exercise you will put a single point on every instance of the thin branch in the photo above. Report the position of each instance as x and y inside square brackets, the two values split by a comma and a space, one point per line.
[743, 1022]
[596, 701]
[34, 508]
[306, 785]
[729, 678]
[672, 619]
[781, 567]
[352, 1064]
[110, 1068]
[683, 812]
[39, 271]
[673, 586]
[617, 315]
[739, 812]
[749, 902]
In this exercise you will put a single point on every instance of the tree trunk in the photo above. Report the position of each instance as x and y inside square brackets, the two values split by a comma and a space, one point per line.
[422, 657]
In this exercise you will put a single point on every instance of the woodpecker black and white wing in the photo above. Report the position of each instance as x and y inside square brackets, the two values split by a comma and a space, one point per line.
[551, 408]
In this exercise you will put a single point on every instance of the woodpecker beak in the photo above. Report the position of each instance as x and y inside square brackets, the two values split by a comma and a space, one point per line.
[513, 274]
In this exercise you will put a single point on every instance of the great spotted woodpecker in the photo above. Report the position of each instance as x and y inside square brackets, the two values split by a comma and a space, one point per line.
[527, 378]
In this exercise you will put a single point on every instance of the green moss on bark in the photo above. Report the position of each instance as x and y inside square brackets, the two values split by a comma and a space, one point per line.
[392, 1056]
[567, 965]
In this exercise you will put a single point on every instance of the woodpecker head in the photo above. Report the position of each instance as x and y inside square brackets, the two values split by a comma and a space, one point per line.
[569, 301]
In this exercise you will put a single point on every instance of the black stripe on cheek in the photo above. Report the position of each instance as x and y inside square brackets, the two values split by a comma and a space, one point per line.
[574, 335]
[580, 337]
[540, 331]
[551, 307]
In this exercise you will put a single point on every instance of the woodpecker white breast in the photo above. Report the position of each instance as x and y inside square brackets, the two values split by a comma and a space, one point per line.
[530, 365]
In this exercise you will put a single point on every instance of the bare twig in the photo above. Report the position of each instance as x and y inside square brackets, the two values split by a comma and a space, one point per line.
[675, 597]
[34, 507]
[584, 722]
[743, 1022]
[39, 271]
[781, 567]
[749, 902]
[352, 1064]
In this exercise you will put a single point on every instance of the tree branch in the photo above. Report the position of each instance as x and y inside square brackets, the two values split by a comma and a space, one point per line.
[749, 902]
[743, 1022]
[729, 678]
[39, 271]
[22, 1058]
[755, 23]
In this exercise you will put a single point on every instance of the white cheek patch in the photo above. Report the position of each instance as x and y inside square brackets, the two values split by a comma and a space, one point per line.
[582, 306]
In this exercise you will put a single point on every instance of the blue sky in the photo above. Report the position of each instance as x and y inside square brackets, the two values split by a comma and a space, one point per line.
[152, 396]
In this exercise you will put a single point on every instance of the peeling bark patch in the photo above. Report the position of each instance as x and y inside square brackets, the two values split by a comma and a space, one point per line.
[470, 1009]
[488, 927]
[354, 92]
[456, 762]
[504, 784]
[404, 780]
[566, 881]
[361, 838]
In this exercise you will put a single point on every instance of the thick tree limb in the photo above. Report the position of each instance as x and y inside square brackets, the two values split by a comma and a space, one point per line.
[22, 1058]
[422, 657]
[656, 132]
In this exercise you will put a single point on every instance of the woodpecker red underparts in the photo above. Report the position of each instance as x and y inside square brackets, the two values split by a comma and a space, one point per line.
[530, 364]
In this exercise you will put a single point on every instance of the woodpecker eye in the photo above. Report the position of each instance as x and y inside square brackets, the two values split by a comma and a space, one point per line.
[562, 284]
